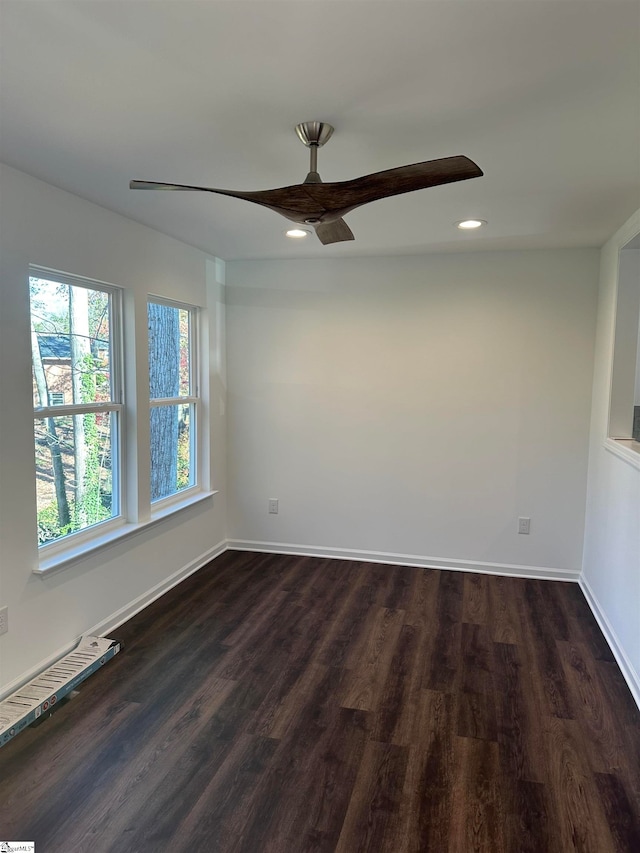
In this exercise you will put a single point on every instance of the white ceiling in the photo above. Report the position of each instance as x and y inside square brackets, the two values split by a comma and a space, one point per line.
[543, 94]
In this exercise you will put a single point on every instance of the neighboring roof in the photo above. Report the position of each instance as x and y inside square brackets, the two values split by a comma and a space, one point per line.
[59, 345]
[54, 346]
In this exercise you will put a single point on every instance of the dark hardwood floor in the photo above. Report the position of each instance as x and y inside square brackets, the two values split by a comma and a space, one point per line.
[287, 705]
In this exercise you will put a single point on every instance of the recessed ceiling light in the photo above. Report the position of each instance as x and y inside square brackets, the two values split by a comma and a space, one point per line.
[297, 233]
[470, 224]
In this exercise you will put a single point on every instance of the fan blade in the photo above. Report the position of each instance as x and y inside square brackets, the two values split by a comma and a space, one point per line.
[293, 202]
[314, 203]
[155, 185]
[340, 198]
[336, 231]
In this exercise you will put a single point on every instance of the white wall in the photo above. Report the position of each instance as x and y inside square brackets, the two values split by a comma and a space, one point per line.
[611, 576]
[413, 406]
[42, 225]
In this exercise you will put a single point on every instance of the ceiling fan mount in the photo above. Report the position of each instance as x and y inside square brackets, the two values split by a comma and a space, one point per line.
[313, 134]
[323, 205]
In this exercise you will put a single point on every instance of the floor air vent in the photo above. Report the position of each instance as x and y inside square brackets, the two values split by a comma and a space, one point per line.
[39, 695]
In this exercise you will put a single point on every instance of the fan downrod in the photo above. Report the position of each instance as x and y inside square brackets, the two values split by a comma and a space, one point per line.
[313, 134]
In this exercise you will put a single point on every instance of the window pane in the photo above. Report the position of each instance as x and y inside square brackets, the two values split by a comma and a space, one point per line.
[73, 473]
[171, 456]
[70, 343]
[168, 351]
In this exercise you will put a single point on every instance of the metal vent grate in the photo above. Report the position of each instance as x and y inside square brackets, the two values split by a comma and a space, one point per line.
[39, 695]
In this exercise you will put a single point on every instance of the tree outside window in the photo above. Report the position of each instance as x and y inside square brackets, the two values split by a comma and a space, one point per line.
[173, 397]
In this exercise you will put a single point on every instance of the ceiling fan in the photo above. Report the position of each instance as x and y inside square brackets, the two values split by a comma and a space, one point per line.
[322, 205]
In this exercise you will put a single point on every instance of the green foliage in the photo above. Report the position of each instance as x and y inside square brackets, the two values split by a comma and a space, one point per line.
[88, 513]
[49, 527]
[93, 508]
[183, 460]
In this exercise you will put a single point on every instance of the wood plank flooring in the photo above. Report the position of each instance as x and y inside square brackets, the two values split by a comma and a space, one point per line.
[274, 704]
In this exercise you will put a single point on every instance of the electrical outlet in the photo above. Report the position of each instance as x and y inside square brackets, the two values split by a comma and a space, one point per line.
[524, 525]
[273, 506]
[4, 620]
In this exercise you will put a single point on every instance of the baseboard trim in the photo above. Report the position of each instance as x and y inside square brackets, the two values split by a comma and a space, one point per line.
[626, 667]
[112, 622]
[516, 571]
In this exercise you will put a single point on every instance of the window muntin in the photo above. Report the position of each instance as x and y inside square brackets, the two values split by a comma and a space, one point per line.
[173, 397]
[77, 403]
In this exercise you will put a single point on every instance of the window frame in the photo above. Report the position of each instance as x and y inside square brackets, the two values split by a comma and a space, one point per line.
[115, 407]
[194, 400]
[130, 440]
[625, 353]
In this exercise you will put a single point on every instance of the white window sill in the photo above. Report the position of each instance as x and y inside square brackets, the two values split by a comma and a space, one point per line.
[624, 448]
[74, 552]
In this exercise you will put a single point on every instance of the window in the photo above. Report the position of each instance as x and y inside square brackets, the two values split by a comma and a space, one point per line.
[623, 432]
[77, 401]
[624, 411]
[83, 468]
[174, 400]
